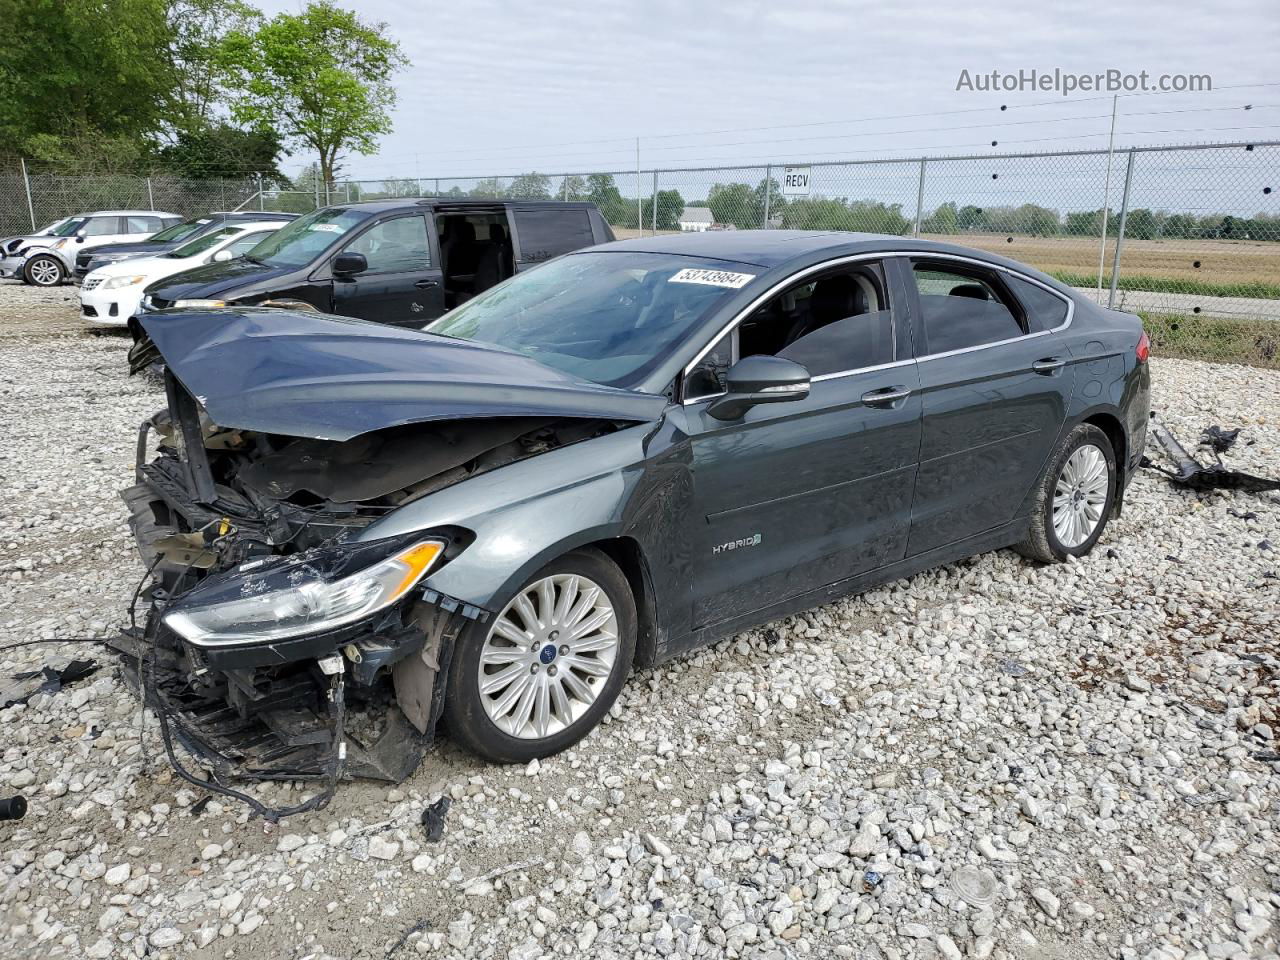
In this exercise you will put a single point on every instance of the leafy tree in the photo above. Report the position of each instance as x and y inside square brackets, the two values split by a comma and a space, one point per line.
[944, 220]
[670, 205]
[221, 151]
[198, 75]
[1141, 224]
[1035, 220]
[875, 217]
[490, 189]
[530, 186]
[400, 187]
[776, 200]
[604, 193]
[970, 217]
[74, 72]
[1179, 226]
[734, 203]
[321, 78]
[1085, 223]
[573, 188]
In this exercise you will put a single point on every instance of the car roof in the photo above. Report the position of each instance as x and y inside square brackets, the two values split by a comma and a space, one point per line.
[772, 248]
[250, 215]
[410, 203]
[125, 213]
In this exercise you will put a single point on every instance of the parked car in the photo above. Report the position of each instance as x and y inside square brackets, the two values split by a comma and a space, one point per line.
[168, 239]
[110, 295]
[48, 261]
[400, 262]
[623, 455]
[11, 244]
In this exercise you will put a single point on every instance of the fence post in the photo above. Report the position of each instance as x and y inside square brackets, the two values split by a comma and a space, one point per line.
[919, 198]
[654, 211]
[26, 182]
[348, 188]
[151, 200]
[260, 206]
[1124, 215]
[564, 190]
[768, 189]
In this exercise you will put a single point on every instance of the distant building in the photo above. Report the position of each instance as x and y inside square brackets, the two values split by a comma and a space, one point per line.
[696, 219]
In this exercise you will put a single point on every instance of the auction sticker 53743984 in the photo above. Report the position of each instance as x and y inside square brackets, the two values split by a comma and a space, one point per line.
[714, 278]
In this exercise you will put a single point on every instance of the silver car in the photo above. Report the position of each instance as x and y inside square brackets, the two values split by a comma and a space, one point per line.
[46, 260]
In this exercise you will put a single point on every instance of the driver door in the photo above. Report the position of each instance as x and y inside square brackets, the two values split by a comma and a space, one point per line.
[794, 496]
[402, 284]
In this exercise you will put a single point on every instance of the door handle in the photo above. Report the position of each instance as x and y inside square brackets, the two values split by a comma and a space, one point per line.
[1048, 365]
[885, 396]
[425, 284]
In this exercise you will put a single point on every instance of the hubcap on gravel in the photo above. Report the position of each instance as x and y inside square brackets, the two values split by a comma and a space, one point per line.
[1079, 495]
[547, 656]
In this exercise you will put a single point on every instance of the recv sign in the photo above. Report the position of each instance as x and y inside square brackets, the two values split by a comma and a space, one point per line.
[795, 181]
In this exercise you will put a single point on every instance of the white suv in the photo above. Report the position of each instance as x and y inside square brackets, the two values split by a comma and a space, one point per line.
[48, 260]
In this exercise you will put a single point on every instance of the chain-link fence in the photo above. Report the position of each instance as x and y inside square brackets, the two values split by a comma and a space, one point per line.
[31, 200]
[1188, 237]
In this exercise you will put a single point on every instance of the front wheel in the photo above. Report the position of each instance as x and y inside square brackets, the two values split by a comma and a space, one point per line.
[541, 674]
[44, 271]
[1074, 499]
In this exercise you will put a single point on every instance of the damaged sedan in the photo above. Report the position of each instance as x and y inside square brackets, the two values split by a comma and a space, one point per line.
[356, 533]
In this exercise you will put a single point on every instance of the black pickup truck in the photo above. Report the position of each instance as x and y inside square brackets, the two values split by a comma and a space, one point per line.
[400, 262]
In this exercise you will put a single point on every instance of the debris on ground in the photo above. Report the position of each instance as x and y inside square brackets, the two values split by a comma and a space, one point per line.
[48, 680]
[13, 808]
[1218, 439]
[433, 819]
[1190, 472]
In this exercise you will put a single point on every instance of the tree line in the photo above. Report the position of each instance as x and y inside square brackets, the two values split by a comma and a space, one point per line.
[201, 89]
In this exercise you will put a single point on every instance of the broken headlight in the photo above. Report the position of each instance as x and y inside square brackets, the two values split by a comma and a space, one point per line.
[312, 592]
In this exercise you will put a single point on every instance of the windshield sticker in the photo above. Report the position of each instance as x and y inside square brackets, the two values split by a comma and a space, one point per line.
[713, 278]
[325, 227]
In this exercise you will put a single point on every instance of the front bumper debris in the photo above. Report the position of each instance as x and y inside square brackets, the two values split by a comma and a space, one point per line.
[1190, 472]
[11, 267]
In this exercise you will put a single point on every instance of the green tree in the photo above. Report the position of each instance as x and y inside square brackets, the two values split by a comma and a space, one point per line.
[1179, 226]
[195, 58]
[530, 186]
[71, 73]
[488, 189]
[604, 193]
[1034, 220]
[669, 206]
[1141, 224]
[970, 217]
[944, 220]
[221, 151]
[734, 203]
[573, 188]
[321, 78]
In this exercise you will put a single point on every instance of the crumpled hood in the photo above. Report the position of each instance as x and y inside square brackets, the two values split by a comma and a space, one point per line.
[315, 375]
[213, 281]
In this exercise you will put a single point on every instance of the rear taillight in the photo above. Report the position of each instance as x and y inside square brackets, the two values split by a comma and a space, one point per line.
[1143, 350]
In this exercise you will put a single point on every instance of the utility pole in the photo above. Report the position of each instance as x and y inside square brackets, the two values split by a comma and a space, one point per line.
[26, 182]
[639, 205]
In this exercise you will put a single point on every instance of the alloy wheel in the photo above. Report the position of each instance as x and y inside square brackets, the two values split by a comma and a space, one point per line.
[547, 656]
[1080, 495]
[44, 272]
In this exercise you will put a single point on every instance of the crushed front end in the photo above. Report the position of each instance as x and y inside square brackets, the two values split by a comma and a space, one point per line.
[274, 645]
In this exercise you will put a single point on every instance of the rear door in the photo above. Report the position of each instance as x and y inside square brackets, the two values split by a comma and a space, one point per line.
[402, 285]
[540, 233]
[96, 231]
[995, 387]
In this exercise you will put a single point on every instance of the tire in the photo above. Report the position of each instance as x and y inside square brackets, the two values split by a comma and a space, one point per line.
[1074, 464]
[44, 271]
[547, 723]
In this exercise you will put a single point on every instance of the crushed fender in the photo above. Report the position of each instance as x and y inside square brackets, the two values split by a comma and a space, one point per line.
[1191, 473]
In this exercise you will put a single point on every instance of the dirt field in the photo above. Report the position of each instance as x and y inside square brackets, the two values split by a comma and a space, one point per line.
[1221, 261]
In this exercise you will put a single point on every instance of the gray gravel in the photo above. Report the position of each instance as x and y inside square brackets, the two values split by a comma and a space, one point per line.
[992, 759]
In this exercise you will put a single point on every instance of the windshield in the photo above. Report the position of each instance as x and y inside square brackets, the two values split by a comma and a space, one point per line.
[179, 231]
[307, 237]
[606, 317]
[201, 244]
[70, 227]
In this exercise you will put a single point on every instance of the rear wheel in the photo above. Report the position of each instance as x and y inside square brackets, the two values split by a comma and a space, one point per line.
[540, 675]
[44, 271]
[1074, 498]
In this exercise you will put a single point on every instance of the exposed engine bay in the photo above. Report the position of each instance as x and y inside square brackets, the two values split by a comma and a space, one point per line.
[261, 511]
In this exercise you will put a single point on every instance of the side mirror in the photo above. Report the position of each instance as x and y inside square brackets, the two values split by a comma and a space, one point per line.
[79, 236]
[759, 379]
[347, 263]
[223, 255]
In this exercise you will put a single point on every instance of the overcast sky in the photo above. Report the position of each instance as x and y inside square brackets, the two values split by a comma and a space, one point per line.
[500, 86]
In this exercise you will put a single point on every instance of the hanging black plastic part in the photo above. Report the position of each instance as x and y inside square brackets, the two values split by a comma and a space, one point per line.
[1191, 473]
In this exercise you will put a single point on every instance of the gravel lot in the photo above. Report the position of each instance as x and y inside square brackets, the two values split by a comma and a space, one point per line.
[993, 759]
